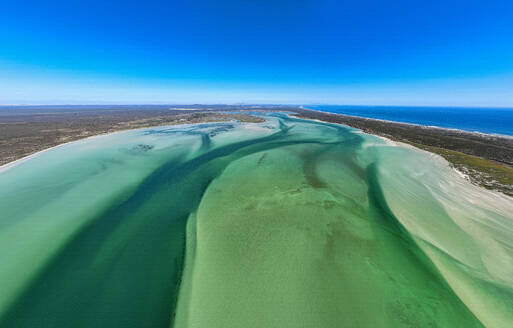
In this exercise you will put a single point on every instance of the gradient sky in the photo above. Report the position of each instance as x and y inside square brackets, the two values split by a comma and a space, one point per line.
[321, 51]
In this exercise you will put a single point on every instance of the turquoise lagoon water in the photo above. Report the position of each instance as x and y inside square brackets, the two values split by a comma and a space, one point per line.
[286, 223]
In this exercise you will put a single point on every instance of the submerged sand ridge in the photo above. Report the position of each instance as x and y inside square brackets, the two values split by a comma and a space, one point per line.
[285, 223]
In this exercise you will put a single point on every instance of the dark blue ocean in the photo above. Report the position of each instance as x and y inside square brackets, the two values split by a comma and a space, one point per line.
[485, 120]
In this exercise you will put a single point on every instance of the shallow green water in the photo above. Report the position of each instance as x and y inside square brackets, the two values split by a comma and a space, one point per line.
[288, 223]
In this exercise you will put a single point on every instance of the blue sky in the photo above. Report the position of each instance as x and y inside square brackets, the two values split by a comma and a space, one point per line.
[325, 51]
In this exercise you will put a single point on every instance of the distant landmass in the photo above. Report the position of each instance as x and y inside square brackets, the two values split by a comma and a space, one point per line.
[273, 222]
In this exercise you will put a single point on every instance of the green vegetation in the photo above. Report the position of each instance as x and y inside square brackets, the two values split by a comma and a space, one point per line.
[288, 223]
[22, 135]
[483, 172]
[486, 160]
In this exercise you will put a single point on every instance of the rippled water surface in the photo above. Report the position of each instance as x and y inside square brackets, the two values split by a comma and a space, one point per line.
[287, 223]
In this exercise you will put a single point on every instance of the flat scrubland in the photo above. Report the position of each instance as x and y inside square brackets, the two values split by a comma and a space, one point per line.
[486, 160]
[25, 131]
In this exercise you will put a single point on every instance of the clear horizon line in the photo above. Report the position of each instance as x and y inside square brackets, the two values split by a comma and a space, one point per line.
[245, 104]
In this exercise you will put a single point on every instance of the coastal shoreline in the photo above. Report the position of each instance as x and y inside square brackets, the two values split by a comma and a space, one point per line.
[25, 133]
[19, 161]
[421, 126]
[486, 160]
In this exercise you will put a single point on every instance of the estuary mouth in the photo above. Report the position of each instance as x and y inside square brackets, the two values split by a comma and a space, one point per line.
[283, 223]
